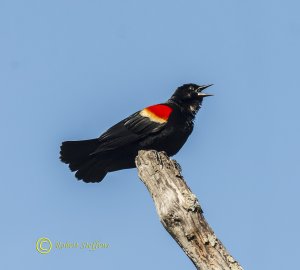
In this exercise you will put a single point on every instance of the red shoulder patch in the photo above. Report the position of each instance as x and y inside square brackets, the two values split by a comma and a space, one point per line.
[157, 113]
[161, 111]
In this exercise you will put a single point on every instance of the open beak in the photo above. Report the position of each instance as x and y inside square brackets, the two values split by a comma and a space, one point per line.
[201, 88]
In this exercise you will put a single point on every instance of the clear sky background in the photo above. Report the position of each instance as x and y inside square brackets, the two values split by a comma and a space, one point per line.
[71, 69]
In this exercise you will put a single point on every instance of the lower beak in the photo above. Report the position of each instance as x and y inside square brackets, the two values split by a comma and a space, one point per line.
[204, 95]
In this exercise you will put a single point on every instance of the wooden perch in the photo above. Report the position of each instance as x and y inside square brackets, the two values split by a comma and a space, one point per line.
[180, 212]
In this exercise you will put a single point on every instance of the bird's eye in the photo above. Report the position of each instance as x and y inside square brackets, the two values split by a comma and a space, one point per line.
[191, 88]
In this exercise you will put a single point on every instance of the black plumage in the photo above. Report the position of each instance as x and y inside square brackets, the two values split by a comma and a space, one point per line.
[162, 127]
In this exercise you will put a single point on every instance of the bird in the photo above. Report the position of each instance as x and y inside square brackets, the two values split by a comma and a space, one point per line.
[161, 127]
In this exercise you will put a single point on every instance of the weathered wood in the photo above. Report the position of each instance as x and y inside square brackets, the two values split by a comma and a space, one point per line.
[180, 212]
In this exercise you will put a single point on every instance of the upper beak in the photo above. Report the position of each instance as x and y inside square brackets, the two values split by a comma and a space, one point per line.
[201, 88]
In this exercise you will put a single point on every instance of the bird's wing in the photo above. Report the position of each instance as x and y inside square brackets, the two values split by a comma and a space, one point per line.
[135, 127]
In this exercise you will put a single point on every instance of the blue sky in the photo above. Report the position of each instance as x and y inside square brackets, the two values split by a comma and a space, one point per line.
[71, 69]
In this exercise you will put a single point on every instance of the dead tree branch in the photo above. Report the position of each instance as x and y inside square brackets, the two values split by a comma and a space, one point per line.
[180, 212]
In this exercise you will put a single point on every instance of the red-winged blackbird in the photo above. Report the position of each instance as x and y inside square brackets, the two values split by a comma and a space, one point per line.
[162, 127]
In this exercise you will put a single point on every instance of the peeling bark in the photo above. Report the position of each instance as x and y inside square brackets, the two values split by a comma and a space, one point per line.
[180, 212]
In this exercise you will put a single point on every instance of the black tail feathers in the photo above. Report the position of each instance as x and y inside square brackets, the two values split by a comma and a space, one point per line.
[78, 155]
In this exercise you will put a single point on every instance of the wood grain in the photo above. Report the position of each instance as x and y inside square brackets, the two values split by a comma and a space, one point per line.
[180, 213]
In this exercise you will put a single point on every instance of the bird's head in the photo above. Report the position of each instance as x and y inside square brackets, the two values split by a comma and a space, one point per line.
[190, 96]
